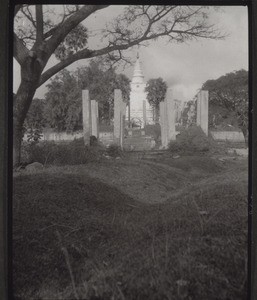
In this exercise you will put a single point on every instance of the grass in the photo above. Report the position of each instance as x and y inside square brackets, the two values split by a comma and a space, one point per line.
[76, 235]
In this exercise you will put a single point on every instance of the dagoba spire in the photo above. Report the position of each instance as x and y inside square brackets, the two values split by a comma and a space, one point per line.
[138, 76]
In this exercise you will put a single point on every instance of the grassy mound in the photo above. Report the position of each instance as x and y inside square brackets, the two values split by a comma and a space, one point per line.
[118, 248]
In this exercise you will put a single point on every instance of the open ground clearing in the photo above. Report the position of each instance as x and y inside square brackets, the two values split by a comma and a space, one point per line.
[130, 228]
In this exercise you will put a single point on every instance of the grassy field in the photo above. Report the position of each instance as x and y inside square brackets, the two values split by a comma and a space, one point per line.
[133, 228]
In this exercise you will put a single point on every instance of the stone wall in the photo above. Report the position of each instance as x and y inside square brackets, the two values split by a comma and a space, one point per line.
[233, 136]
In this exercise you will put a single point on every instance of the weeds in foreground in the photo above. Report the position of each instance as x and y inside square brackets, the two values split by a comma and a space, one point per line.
[116, 248]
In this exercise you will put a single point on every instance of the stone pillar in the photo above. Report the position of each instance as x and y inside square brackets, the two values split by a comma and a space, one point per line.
[129, 115]
[117, 115]
[122, 122]
[144, 113]
[167, 119]
[86, 114]
[202, 110]
[163, 123]
[198, 110]
[171, 135]
[94, 116]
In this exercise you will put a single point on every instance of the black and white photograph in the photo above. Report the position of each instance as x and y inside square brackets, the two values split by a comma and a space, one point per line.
[130, 152]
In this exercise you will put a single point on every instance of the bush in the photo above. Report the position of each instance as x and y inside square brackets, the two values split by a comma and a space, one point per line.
[192, 139]
[113, 150]
[49, 152]
[154, 131]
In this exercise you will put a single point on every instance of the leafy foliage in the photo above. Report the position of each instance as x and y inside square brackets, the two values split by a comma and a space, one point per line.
[35, 120]
[101, 82]
[114, 150]
[156, 91]
[188, 115]
[51, 153]
[230, 92]
[64, 103]
[73, 42]
[154, 131]
[191, 139]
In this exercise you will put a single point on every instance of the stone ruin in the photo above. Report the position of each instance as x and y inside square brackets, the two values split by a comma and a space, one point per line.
[170, 113]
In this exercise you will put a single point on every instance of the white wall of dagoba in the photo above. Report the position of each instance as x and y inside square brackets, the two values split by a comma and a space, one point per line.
[138, 96]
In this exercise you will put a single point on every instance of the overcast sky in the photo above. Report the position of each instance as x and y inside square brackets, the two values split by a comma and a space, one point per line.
[185, 67]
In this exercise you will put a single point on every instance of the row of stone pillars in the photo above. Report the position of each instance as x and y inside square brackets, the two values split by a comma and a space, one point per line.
[90, 115]
[167, 116]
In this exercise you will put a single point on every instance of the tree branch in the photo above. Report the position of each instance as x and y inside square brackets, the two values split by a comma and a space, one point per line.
[51, 31]
[29, 16]
[65, 15]
[40, 24]
[83, 54]
[70, 23]
[17, 8]
[20, 52]
[127, 42]
[124, 38]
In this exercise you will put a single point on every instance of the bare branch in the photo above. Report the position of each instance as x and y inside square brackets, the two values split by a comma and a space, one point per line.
[28, 15]
[65, 16]
[85, 53]
[124, 38]
[70, 23]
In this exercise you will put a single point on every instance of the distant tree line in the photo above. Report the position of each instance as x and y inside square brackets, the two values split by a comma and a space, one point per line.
[228, 100]
[61, 109]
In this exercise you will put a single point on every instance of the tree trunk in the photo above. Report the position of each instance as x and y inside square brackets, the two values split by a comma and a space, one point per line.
[156, 114]
[31, 70]
[22, 103]
[245, 133]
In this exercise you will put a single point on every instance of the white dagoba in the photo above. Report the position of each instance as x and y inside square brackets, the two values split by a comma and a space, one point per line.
[138, 97]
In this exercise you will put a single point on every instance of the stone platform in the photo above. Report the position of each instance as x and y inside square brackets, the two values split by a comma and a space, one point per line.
[138, 143]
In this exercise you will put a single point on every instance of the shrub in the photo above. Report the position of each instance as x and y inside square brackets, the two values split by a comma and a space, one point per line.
[40, 152]
[93, 140]
[113, 150]
[154, 131]
[192, 139]
[49, 152]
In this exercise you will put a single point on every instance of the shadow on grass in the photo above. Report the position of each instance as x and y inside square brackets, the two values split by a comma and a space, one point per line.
[118, 248]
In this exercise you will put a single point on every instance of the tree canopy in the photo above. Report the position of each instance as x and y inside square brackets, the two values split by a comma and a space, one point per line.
[63, 100]
[230, 92]
[156, 91]
[58, 30]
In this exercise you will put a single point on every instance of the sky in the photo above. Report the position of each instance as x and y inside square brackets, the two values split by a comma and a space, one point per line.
[184, 67]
